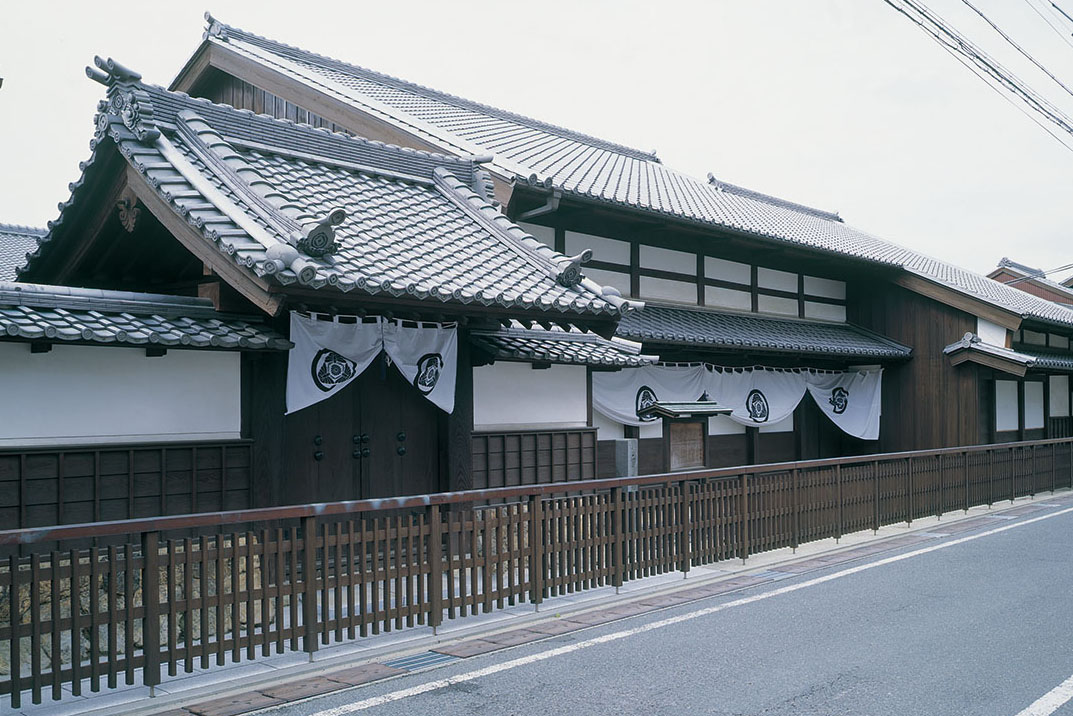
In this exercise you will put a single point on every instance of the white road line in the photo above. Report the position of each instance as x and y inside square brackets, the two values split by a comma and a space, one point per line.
[1050, 701]
[1063, 692]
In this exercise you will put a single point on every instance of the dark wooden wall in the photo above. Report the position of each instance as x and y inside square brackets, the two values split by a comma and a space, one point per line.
[505, 459]
[225, 89]
[927, 402]
[49, 486]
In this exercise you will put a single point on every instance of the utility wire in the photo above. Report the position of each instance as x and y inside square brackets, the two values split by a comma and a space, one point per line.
[953, 41]
[1017, 47]
[1037, 274]
[1064, 13]
[1058, 30]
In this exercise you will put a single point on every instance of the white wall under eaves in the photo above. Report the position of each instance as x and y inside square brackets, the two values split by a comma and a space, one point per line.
[96, 394]
[514, 396]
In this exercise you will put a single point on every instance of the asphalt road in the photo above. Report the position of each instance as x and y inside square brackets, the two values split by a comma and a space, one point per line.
[981, 627]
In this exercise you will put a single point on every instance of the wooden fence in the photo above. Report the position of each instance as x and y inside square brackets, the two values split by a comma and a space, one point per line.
[180, 592]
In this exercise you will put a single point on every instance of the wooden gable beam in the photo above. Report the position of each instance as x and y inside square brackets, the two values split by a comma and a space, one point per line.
[255, 290]
[958, 300]
[990, 361]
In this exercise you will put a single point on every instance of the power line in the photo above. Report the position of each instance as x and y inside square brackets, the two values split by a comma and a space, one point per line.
[1064, 13]
[1017, 47]
[1050, 24]
[1037, 274]
[996, 74]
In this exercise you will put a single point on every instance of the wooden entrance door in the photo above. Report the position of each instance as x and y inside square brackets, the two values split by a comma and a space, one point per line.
[378, 437]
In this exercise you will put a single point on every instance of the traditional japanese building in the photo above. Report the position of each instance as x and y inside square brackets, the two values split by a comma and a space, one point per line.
[391, 265]
[1031, 280]
[731, 277]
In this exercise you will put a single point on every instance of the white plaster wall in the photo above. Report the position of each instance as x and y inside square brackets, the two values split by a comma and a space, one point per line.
[786, 425]
[1005, 405]
[776, 305]
[617, 279]
[653, 429]
[1035, 338]
[508, 396]
[727, 298]
[543, 234]
[654, 257]
[990, 332]
[825, 287]
[606, 428]
[825, 311]
[1033, 405]
[665, 289]
[81, 394]
[727, 270]
[1059, 387]
[603, 249]
[778, 280]
[722, 425]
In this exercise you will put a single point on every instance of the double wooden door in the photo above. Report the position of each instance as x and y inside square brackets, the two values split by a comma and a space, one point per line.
[378, 437]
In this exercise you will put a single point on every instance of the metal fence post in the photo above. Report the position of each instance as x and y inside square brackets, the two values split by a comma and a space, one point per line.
[150, 610]
[685, 535]
[536, 551]
[435, 571]
[309, 584]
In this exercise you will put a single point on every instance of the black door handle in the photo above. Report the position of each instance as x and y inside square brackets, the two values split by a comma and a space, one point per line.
[318, 455]
[356, 454]
[365, 452]
[400, 450]
[400, 436]
[317, 440]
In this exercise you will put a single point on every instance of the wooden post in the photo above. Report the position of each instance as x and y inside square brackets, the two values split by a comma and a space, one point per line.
[909, 493]
[1053, 476]
[150, 610]
[940, 505]
[875, 497]
[743, 518]
[435, 568]
[965, 471]
[838, 483]
[795, 476]
[15, 619]
[990, 478]
[685, 529]
[309, 585]
[617, 519]
[536, 551]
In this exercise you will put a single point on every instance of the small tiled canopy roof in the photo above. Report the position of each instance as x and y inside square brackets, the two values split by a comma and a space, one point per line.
[80, 315]
[538, 345]
[696, 327]
[540, 154]
[16, 242]
[1023, 360]
[294, 205]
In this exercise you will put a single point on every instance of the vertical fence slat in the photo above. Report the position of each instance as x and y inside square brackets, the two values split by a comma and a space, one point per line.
[150, 610]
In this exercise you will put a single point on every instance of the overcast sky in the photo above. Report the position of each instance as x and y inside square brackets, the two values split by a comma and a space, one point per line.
[840, 104]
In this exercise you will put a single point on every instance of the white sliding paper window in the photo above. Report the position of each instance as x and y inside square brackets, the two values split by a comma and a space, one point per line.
[1006, 408]
[1059, 385]
[1033, 405]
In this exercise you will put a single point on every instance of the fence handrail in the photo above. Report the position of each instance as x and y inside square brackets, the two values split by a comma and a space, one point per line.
[32, 535]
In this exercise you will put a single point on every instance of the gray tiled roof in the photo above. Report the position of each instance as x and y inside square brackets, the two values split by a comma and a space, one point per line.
[417, 225]
[1062, 362]
[15, 243]
[61, 313]
[575, 347]
[585, 167]
[736, 331]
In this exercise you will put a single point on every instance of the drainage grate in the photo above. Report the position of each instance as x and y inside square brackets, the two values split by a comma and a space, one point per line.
[425, 659]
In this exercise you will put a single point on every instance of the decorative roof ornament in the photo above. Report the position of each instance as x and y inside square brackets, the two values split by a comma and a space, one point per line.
[215, 28]
[126, 99]
[570, 268]
[128, 213]
[318, 239]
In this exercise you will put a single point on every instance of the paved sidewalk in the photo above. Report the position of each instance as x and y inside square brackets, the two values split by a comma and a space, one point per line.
[238, 688]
